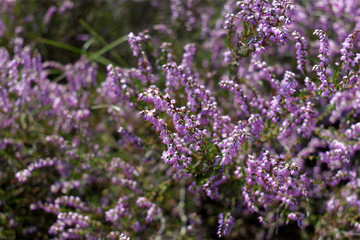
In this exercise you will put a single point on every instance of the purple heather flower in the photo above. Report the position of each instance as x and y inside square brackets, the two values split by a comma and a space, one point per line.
[67, 4]
[347, 46]
[123, 237]
[324, 48]
[231, 145]
[144, 65]
[269, 19]
[301, 51]
[121, 209]
[2, 28]
[50, 12]
[211, 187]
[23, 175]
[69, 219]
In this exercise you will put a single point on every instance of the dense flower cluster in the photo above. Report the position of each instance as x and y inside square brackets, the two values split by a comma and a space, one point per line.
[248, 127]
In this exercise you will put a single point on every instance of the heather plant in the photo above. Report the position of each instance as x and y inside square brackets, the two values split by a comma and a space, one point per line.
[231, 119]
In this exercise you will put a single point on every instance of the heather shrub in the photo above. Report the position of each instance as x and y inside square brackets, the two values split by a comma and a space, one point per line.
[217, 119]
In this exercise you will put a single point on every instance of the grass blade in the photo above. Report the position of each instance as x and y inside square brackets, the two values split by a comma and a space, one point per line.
[110, 46]
[97, 36]
[100, 39]
[68, 47]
